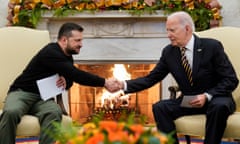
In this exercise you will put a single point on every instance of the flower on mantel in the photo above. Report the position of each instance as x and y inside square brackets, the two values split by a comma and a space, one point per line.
[28, 12]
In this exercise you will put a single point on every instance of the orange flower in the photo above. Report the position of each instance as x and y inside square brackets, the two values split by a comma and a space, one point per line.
[90, 6]
[99, 3]
[30, 4]
[48, 3]
[131, 5]
[187, 1]
[137, 128]
[81, 6]
[108, 124]
[190, 5]
[109, 3]
[207, 1]
[117, 136]
[95, 139]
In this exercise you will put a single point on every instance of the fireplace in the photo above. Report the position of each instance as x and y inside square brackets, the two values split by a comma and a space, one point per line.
[115, 37]
[86, 101]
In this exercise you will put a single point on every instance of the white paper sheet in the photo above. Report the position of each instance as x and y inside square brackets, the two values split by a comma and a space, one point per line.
[186, 99]
[48, 88]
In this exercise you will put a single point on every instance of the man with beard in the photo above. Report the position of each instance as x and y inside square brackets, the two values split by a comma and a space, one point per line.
[24, 96]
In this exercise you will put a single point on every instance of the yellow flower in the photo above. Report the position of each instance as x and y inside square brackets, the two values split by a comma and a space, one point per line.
[15, 19]
[59, 3]
[15, 1]
[16, 9]
[89, 126]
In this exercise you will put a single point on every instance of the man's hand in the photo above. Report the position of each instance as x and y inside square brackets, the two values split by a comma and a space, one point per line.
[113, 85]
[199, 101]
[61, 82]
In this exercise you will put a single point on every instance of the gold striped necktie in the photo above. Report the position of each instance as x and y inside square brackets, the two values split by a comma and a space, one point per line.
[186, 65]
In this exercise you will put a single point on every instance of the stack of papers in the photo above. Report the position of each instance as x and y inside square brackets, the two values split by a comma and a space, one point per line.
[186, 99]
[48, 88]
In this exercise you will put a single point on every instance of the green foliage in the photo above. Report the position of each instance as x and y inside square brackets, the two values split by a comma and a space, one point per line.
[199, 10]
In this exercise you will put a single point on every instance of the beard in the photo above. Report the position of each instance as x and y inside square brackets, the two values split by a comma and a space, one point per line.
[72, 50]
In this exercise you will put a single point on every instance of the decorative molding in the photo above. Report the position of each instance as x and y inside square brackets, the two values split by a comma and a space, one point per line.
[113, 29]
[110, 24]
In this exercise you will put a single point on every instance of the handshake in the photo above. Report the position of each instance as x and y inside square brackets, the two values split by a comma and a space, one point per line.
[113, 85]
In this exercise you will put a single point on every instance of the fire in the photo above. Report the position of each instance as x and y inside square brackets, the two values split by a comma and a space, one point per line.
[120, 72]
[112, 100]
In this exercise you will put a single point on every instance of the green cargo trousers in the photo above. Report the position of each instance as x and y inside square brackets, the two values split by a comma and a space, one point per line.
[19, 103]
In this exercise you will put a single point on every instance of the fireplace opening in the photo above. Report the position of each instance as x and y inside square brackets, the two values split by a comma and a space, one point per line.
[86, 101]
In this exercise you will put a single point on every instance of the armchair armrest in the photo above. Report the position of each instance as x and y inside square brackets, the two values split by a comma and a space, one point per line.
[60, 103]
[173, 91]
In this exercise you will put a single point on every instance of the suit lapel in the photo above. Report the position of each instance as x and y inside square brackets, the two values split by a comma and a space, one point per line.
[197, 54]
[177, 56]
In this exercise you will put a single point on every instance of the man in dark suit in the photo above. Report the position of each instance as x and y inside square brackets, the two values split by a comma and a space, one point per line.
[212, 79]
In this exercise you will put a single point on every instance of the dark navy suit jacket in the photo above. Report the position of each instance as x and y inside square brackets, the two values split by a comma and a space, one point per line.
[212, 70]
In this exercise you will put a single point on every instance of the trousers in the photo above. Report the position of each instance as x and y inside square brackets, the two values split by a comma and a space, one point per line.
[19, 103]
[217, 112]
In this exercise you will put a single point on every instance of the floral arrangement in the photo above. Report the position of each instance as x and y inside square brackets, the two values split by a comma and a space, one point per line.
[110, 132]
[28, 12]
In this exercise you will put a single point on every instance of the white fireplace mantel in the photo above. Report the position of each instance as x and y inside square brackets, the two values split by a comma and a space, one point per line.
[116, 36]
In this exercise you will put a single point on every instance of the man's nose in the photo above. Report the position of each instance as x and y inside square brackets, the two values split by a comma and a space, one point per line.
[169, 35]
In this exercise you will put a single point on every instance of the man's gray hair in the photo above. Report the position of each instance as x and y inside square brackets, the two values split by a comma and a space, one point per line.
[184, 18]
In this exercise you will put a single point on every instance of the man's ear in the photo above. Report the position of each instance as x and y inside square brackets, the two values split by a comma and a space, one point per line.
[63, 39]
[188, 28]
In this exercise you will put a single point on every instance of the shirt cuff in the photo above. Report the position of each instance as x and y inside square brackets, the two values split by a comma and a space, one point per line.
[209, 96]
[124, 85]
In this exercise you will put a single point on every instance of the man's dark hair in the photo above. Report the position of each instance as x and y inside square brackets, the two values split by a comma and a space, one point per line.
[67, 28]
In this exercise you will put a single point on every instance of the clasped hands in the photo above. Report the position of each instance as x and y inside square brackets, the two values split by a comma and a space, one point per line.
[113, 85]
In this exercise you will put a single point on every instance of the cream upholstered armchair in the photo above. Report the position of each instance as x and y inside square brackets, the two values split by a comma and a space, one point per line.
[195, 125]
[18, 45]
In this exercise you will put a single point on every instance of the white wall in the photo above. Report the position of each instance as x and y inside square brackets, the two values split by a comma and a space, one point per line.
[230, 12]
[3, 12]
